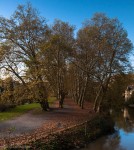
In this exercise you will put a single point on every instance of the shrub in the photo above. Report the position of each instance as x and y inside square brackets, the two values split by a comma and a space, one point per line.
[4, 107]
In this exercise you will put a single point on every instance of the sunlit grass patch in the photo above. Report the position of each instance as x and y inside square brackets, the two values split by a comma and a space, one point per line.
[22, 109]
[17, 111]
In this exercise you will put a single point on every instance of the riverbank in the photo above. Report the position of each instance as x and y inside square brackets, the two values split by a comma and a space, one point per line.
[76, 136]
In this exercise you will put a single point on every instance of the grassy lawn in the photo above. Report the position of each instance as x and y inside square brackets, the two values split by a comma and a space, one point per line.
[21, 109]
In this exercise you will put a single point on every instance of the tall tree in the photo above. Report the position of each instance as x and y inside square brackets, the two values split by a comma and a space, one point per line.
[24, 32]
[112, 51]
[102, 51]
[55, 55]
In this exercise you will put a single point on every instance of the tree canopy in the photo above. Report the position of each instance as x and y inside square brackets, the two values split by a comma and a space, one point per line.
[48, 58]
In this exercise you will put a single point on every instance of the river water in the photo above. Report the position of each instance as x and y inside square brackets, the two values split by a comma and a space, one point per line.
[123, 138]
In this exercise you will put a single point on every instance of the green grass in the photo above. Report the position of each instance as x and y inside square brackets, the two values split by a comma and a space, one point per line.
[22, 109]
[17, 111]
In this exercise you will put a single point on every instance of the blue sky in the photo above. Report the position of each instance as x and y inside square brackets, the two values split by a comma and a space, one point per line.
[76, 11]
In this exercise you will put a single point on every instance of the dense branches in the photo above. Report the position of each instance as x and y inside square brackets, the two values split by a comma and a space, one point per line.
[24, 32]
[49, 57]
[102, 52]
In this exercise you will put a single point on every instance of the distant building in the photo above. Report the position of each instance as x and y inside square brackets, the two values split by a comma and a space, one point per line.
[128, 92]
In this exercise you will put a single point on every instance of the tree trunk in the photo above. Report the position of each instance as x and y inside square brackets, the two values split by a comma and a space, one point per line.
[83, 93]
[96, 99]
[80, 96]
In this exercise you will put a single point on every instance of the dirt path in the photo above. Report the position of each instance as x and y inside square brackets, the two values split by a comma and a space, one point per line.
[22, 124]
[45, 122]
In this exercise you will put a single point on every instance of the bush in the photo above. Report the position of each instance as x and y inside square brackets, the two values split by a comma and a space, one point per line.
[4, 107]
[104, 122]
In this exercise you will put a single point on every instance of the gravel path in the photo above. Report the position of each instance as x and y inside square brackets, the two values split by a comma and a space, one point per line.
[25, 123]
[43, 123]
[22, 124]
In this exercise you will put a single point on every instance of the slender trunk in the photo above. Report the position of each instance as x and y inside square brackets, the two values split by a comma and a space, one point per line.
[83, 93]
[80, 96]
[104, 92]
[77, 91]
[96, 99]
[99, 106]
[82, 99]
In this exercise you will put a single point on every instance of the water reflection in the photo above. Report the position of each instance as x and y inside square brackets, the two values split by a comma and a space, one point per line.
[126, 115]
[106, 143]
[123, 138]
[125, 121]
